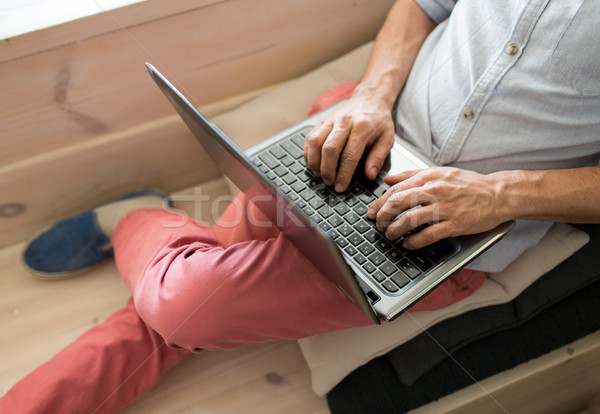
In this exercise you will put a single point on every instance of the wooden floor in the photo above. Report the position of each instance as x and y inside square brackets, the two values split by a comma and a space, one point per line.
[38, 318]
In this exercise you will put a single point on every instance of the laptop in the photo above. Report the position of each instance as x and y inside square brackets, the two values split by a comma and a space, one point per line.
[381, 277]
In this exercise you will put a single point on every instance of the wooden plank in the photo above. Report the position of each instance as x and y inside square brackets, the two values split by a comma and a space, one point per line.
[77, 30]
[81, 176]
[562, 381]
[98, 85]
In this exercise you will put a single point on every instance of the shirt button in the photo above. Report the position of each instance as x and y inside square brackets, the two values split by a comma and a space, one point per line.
[512, 50]
[468, 114]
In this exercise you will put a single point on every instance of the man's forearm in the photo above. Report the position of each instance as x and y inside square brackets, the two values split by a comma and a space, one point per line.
[570, 195]
[395, 50]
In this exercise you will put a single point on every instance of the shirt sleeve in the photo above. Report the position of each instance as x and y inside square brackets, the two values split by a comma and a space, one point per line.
[437, 10]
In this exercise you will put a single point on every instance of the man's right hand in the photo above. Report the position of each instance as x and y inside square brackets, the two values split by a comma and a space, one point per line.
[358, 124]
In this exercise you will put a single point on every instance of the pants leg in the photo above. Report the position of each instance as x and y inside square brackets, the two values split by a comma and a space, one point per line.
[103, 371]
[240, 282]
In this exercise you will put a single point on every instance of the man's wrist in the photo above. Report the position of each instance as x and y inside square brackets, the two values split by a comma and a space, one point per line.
[517, 193]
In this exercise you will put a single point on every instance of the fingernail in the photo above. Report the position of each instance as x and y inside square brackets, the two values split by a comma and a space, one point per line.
[371, 213]
[316, 173]
[327, 181]
[404, 245]
[339, 187]
[374, 171]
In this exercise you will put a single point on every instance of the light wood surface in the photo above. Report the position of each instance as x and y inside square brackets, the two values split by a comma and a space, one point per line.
[81, 121]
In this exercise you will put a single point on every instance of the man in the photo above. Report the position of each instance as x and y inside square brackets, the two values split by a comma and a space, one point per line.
[497, 89]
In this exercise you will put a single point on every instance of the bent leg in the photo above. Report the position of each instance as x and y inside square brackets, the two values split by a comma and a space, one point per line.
[103, 371]
[240, 282]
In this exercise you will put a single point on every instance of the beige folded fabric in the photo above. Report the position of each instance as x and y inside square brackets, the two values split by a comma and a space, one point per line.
[332, 356]
[289, 103]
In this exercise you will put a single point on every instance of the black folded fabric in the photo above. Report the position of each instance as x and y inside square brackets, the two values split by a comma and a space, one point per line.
[417, 356]
[376, 387]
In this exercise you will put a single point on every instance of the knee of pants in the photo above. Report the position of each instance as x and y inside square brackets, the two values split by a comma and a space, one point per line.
[194, 310]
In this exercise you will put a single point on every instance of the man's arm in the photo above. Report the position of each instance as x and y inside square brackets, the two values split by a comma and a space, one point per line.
[465, 202]
[365, 121]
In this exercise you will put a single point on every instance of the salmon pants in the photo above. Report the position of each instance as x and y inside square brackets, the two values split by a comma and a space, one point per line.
[195, 288]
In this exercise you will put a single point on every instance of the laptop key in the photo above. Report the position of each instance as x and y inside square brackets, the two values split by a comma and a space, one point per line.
[400, 279]
[360, 209]
[419, 259]
[269, 160]
[289, 179]
[380, 277]
[334, 234]
[394, 255]
[366, 249]
[335, 221]
[355, 239]
[388, 268]
[331, 200]
[277, 152]
[316, 203]
[369, 267]
[377, 258]
[345, 230]
[366, 198]
[287, 161]
[410, 269]
[351, 200]
[445, 246]
[352, 217]
[305, 176]
[298, 186]
[341, 242]
[372, 235]
[383, 245]
[280, 170]
[325, 211]
[390, 286]
[356, 189]
[361, 226]
[292, 149]
[341, 209]
[298, 140]
[296, 168]
[307, 194]
[433, 254]
[351, 250]
[325, 226]
[360, 259]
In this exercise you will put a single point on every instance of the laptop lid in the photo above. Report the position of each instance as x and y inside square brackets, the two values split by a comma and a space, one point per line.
[311, 240]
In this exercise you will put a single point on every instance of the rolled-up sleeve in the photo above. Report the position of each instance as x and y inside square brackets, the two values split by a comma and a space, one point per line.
[437, 10]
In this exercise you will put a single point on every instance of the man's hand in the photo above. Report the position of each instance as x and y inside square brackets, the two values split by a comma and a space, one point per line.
[359, 124]
[457, 201]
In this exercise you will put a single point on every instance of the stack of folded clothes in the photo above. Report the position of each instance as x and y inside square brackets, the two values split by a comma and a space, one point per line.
[557, 309]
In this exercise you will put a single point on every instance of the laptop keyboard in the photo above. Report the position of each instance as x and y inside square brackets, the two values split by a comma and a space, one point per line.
[343, 216]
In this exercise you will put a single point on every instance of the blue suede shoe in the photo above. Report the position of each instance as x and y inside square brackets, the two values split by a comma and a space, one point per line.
[73, 245]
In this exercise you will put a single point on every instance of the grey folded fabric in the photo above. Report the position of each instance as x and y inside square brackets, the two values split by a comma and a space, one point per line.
[376, 387]
[419, 355]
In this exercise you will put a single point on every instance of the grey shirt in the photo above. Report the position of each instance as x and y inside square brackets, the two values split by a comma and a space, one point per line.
[507, 84]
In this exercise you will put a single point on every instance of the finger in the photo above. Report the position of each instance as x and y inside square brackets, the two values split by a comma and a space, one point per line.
[430, 235]
[397, 178]
[331, 150]
[349, 160]
[312, 146]
[378, 153]
[398, 203]
[400, 182]
[410, 220]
